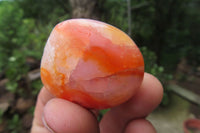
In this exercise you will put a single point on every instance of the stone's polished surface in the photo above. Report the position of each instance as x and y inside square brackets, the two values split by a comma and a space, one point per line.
[91, 63]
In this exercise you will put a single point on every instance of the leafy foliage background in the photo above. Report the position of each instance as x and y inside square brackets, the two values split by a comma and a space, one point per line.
[166, 32]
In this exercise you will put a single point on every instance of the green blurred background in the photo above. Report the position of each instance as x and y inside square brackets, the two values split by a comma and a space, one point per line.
[167, 32]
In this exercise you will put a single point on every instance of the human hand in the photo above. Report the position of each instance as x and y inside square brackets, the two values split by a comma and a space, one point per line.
[61, 116]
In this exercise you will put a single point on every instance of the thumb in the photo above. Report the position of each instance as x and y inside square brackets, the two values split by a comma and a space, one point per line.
[62, 116]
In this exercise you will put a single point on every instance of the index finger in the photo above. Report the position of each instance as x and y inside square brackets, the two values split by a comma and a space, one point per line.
[144, 102]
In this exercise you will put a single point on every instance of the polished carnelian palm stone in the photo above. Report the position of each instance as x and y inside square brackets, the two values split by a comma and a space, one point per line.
[91, 63]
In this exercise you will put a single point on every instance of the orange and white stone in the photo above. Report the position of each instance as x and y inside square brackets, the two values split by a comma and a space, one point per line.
[91, 63]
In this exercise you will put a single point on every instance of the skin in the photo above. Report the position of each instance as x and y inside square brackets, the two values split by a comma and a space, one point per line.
[61, 116]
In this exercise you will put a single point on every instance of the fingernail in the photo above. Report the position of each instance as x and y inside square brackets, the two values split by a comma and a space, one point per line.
[46, 125]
